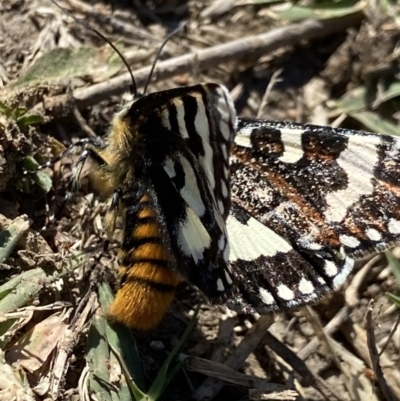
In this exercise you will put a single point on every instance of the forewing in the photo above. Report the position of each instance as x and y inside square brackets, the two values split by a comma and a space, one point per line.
[188, 135]
[312, 198]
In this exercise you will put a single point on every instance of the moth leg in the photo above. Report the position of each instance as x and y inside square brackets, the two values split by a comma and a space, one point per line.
[114, 210]
[65, 153]
[91, 149]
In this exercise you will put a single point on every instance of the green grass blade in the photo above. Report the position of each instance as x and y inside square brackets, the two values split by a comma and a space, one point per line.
[11, 235]
[376, 123]
[394, 264]
[394, 298]
[98, 360]
[165, 375]
[123, 345]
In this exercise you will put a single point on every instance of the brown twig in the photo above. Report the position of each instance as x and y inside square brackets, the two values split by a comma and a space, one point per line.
[320, 333]
[357, 337]
[82, 123]
[351, 293]
[212, 386]
[329, 329]
[391, 334]
[230, 376]
[264, 101]
[251, 46]
[300, 367]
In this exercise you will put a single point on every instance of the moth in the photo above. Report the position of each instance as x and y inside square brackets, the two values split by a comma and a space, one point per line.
[165, 169]
[259, 215]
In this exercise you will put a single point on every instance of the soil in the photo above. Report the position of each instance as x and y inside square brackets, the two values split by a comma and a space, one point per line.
[298, 81]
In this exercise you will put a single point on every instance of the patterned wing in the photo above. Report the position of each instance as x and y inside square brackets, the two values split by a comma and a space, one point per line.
[307, 200]
[188, 133]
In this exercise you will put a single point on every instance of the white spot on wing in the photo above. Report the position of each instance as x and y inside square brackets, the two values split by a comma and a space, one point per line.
[285, 292]
[291, 139]
[351, 242]
[306, 286]
[222, 107]
[373, 235]
[330, 268]
[243, 138]
[252, 240]
[358, 161]
[227, 111]
[266, 296]
[221, 243]
[394, 226]
[226, 255]
[220, 285]
[193, 238]
[304, 242]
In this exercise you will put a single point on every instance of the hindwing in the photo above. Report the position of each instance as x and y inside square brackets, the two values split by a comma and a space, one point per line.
[307, 200]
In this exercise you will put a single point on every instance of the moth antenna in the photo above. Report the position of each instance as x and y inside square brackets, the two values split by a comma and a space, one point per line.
[153, 66]
[133, 86]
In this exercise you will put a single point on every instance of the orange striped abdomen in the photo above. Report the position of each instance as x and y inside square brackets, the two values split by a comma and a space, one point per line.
[148, 282]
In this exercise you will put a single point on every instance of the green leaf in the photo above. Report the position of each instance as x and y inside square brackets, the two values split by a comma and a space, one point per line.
[376, 123]
[357, 99]
[98, 359]
[392, 91]
[30, 164]
[19, 112]
[5, 327]
[394, 263]
[165, 375]
[353, 101]
[58, 64]
[123, 344]
[5, 110]
[394, 298]
[30, 119]
[10, 237]
[43, 181]
[19, 115]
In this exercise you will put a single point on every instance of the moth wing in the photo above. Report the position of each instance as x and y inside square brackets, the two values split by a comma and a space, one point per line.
[189, 134]
[319, 197]
[193, 231]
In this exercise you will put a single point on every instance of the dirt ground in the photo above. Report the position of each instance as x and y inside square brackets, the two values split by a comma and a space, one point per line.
[59, 83]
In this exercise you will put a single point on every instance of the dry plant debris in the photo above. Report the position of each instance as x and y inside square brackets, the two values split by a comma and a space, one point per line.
[59, 83]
